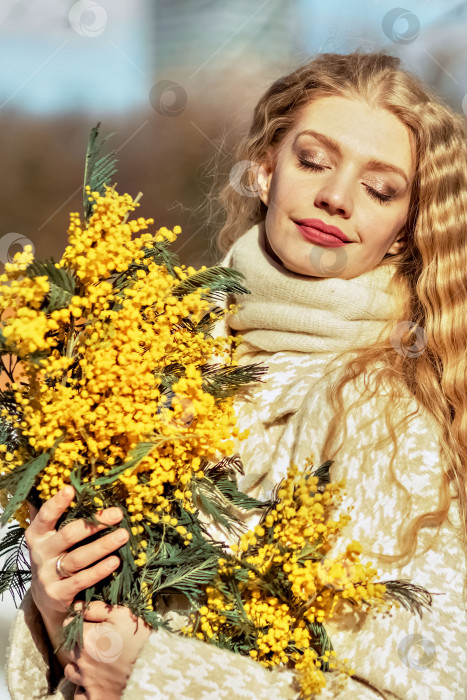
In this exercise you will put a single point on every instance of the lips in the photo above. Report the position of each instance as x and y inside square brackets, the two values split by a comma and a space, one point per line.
[314, 235]
[319, 225]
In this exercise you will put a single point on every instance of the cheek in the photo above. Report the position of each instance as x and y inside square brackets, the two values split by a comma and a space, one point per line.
[380, 226]
[285, 192]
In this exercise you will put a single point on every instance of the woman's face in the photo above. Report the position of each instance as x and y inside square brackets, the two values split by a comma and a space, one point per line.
[338, 183]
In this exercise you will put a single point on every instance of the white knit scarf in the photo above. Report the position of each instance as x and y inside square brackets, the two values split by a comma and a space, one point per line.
[292, 312]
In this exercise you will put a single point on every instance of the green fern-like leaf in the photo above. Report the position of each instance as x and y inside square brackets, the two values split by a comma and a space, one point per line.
[138, 453]
[189, 579]
[323, 473]
[15, 573]
[212, 501]
[72, 633]
[62, 283]
[21, 479]
[411, 596]
[228, 466]
[19, 482]
[321, 641]
[159, 253]
[10, 436]
[220, 280]
[4, 350]
[97, 171]
[237, 498]
[222, 381]
[207, 322]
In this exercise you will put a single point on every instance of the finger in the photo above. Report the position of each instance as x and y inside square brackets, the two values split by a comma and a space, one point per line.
[85, 579]
[80, 694]
[71, 672]
[81, 529]
[82, 557]
[46, 519]
[98, 611]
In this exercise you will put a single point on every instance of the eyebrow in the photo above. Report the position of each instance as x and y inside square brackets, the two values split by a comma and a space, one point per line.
[373, 164]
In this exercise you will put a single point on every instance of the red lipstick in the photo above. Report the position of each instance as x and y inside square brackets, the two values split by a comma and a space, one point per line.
[317, 231]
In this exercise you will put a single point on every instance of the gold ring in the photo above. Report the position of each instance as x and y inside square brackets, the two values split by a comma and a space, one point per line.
[61, 571]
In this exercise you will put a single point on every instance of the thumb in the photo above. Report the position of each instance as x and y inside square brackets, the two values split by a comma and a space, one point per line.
[33, 511]
[97, 610]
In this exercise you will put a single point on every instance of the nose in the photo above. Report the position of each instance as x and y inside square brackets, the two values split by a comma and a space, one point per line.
[334, 196]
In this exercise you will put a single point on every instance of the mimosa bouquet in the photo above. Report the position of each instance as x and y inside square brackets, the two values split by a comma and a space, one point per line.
[124, 394]
[275, 590]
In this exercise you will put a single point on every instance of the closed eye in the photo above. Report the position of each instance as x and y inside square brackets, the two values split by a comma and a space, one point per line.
[382, 198]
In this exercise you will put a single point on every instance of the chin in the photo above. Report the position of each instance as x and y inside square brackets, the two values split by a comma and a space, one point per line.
[296, 267]
[286, 262]
[293, 267]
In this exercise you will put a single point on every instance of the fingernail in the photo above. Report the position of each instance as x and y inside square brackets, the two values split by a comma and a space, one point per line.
[67, 491]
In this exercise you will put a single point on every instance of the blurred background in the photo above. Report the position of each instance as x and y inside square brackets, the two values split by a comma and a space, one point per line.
[177, 83]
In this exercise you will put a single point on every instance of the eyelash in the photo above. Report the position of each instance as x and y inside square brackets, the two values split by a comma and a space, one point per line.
[381, 198]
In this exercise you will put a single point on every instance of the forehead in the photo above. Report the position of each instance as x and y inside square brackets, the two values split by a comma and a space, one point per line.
[362, 131]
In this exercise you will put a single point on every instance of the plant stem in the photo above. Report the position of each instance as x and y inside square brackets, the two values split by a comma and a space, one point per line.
[92, 458]
[9, 374]
[69, 348]
[136, 199]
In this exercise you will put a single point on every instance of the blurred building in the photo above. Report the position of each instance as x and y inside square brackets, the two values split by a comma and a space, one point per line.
[213, 34]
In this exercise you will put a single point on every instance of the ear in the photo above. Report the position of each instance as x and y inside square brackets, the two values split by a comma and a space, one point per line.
[264, 175]
[399, 243]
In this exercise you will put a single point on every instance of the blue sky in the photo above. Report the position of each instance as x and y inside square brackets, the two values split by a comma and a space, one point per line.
[97, 56]
[95, 59]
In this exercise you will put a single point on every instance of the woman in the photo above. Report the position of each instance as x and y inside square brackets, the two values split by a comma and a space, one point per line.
[364, 335]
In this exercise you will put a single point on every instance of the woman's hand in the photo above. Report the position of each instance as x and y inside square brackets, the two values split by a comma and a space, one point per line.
[52, 594]
[112, 639]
